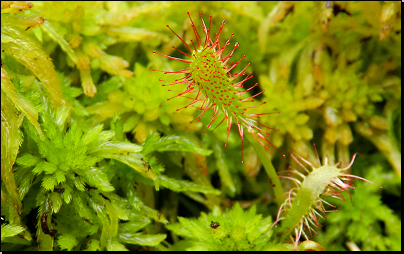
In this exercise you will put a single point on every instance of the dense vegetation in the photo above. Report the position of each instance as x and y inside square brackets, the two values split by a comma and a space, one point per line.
[94, 157]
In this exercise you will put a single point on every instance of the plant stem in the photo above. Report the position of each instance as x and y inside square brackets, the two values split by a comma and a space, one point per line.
[269, 168]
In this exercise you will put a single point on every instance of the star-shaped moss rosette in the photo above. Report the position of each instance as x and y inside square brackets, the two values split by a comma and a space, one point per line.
[234, 230]
[68, 174]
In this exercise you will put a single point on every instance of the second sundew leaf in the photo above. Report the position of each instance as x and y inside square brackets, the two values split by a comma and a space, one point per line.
[302, 206]
[208, 76]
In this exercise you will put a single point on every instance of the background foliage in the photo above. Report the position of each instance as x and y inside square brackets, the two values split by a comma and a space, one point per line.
[93, 157]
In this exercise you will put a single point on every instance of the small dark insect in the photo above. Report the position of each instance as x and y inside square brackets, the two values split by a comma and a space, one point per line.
[145, 164]
[214, 224]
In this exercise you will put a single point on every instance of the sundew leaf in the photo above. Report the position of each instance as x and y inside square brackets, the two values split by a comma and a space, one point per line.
[361, 222]
[173, 143]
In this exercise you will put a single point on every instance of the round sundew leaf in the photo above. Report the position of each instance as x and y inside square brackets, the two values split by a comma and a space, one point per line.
[208, 76]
